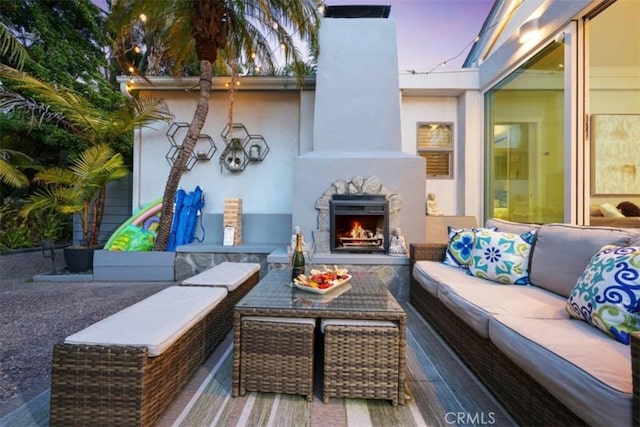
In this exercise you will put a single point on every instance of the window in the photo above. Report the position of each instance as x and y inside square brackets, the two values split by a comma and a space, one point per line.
[435, 144]
[525, 151]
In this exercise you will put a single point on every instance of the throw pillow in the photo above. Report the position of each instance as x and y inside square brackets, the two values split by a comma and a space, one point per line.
[459, 245]
[628, 209]
[502, 257]
[594, 210]
[607, 293]
[610, 211]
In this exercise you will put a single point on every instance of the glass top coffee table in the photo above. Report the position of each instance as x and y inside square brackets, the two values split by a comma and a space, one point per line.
[364, 297]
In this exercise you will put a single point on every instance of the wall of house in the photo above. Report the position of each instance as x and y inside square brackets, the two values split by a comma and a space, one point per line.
[417, 109]
[264, 187]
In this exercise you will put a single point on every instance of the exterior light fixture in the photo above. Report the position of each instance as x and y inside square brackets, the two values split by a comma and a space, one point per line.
[528, 30]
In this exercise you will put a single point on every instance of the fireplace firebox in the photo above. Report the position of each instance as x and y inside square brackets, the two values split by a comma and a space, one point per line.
[359, 223]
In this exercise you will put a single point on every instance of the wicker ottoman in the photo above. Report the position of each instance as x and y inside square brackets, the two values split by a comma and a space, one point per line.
[361, 359]
[277, 355]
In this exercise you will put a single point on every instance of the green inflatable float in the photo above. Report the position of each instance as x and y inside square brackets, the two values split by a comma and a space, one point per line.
[139, 231]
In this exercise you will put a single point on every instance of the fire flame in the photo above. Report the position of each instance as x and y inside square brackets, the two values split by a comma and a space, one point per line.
[358, 231]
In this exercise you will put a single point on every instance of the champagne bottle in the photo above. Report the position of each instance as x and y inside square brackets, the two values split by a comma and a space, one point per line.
[297, 259]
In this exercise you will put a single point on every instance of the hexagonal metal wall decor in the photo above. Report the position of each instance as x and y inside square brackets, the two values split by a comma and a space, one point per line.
[242, 147]
[172, 156]
[234, 131]
[204, 148]
[233, 157]
[256, 148]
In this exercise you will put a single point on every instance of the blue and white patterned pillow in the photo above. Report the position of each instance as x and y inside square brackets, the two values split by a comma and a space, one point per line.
[607, 294]
[459, 246]
[502, 257]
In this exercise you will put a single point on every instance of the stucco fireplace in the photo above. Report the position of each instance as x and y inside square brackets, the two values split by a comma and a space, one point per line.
[357, 146]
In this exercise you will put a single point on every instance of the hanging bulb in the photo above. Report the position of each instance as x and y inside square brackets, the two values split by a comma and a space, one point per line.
[143, 17]
[131, 69]
[137, 49]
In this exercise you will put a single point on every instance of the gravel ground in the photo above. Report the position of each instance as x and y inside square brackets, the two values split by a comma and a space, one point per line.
[36, 315]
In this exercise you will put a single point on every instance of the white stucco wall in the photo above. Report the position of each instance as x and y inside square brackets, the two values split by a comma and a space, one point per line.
[432, 109]
[265, 187]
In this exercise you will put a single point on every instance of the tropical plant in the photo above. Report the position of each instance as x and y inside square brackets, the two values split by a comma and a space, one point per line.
[63, 43]
[10, 174]
[213, 31]
[18, 231]
[79, 189]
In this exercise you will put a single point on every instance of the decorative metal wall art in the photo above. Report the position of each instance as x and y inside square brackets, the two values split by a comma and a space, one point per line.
[241, 148]
[204, 149]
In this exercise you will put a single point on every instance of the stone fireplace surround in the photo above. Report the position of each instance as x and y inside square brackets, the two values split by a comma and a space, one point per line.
[357, 186]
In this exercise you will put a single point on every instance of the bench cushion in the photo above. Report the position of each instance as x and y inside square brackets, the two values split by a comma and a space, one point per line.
[581, 366]
[227, 274]
[155, 322]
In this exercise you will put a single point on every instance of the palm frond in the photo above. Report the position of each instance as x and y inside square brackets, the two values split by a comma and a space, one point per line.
[10, 162]
[77, 111]
[11, 48]
[60, 199]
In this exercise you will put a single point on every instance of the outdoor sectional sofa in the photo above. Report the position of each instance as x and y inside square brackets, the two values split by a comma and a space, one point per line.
[546, 367]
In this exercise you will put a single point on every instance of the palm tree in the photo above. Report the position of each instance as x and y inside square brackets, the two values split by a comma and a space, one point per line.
[79, 189]
[213, 31]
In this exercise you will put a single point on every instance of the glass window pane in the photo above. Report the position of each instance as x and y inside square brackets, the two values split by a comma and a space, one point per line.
[525, 142]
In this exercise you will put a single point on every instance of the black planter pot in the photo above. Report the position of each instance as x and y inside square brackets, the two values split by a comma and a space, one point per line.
[79, 259]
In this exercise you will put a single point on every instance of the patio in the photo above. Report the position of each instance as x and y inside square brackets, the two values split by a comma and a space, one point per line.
[441, 390]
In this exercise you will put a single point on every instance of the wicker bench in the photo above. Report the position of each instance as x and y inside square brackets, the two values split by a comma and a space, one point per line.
[128, 368]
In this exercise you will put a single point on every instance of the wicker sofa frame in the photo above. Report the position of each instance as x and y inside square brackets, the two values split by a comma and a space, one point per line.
[526, 400]
[122, 385]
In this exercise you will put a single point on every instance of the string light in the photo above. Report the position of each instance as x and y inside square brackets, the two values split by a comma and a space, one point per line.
[475, 40]
[143, 17]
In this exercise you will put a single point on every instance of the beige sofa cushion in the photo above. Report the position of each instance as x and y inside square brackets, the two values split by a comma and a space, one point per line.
[582, 367]
[509, 226]
[475, 301]
[155, 322]
[431, 273]
[562, 251]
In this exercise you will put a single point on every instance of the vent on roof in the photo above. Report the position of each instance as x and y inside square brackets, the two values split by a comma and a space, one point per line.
[357, 11]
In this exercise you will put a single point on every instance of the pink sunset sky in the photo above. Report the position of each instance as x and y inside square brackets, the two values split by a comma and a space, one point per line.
[429, 32]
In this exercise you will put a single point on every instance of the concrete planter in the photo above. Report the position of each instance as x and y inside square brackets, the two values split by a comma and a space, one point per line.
[133, 266]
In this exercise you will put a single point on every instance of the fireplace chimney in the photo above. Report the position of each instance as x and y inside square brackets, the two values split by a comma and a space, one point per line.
[356, 129]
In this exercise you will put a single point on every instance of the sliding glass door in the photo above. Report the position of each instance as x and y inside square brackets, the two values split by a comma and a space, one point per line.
[525, 170]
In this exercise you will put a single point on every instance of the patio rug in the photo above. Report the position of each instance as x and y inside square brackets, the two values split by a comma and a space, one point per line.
[212, 405]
